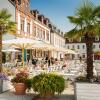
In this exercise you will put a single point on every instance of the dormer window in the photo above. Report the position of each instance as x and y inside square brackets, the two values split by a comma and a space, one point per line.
[19, 2]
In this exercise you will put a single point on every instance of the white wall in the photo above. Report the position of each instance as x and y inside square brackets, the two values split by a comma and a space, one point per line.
[7, 5]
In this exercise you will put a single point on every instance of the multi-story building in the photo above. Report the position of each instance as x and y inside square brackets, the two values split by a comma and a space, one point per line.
[31, 24]
[80, 47]
[58, 40]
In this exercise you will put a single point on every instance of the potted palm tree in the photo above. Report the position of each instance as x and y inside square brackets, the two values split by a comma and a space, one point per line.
[6, 26]
[87, 25]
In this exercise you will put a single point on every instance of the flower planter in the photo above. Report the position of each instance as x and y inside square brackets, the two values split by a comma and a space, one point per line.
[47, 96]
[87, 91]
[20, 88]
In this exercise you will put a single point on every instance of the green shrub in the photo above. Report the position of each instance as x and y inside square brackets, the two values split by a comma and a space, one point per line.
[48, 83]
[84, 79]
[29, 83]
[81, 79]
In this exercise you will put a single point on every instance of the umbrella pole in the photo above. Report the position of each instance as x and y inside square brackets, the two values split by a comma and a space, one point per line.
[23, 57]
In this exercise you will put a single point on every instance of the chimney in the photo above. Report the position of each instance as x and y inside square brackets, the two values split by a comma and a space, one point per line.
[58, 30]
[50, 25]
[46, 21]
[55, 29]
[35, 13]
[41, 18]
[62, 34]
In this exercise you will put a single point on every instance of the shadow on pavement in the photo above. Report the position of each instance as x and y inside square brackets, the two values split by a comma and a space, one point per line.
[57, 97]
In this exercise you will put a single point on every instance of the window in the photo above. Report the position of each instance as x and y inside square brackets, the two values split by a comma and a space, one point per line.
[71, 40]
[83, 56]
[68, 46]
[83, 46]
[78, 55]
[22, 25]
[47, 36]
[93, 46]
[55, 41]
[96, 38]
[28, 27]
[78, 47]
[73, 47]
[34, 31]
[26, 7]
[38, 33]
[43, 34]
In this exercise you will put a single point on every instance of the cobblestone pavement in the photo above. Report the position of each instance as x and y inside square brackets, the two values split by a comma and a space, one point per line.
[68, 94]
[11, 96]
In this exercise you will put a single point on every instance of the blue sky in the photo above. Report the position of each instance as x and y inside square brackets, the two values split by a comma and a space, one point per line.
[57, 10]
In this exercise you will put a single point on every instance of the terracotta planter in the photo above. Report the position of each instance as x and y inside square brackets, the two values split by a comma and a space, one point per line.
[20, 88]
[48, 96]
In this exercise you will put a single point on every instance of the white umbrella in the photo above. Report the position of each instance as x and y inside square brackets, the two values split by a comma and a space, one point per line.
[42, 45]
[69, 51]
[21, 43]
[10, 50]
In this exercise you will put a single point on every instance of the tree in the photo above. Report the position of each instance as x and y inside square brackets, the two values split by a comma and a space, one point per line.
[87, 25]
[6, 26]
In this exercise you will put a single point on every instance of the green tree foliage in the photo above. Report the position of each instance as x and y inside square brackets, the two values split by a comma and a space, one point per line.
[87, 25]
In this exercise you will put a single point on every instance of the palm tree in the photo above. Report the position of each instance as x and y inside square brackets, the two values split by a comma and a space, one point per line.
[6, 26]
[87, 25]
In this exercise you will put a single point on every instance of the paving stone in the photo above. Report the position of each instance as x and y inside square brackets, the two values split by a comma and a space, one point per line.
[68, 94]
[11, 96]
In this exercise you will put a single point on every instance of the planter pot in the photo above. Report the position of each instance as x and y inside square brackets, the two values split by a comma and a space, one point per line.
[20, 88]
[47, 96]
[87, 91]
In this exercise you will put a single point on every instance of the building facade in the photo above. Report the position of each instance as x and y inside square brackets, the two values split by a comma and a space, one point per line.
[32, 24]
[80, 47]
[58, 40]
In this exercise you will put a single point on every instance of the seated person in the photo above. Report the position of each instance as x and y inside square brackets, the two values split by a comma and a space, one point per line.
[34, 61]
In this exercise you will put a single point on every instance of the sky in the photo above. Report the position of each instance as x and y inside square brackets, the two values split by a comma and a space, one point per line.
[58, 10]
